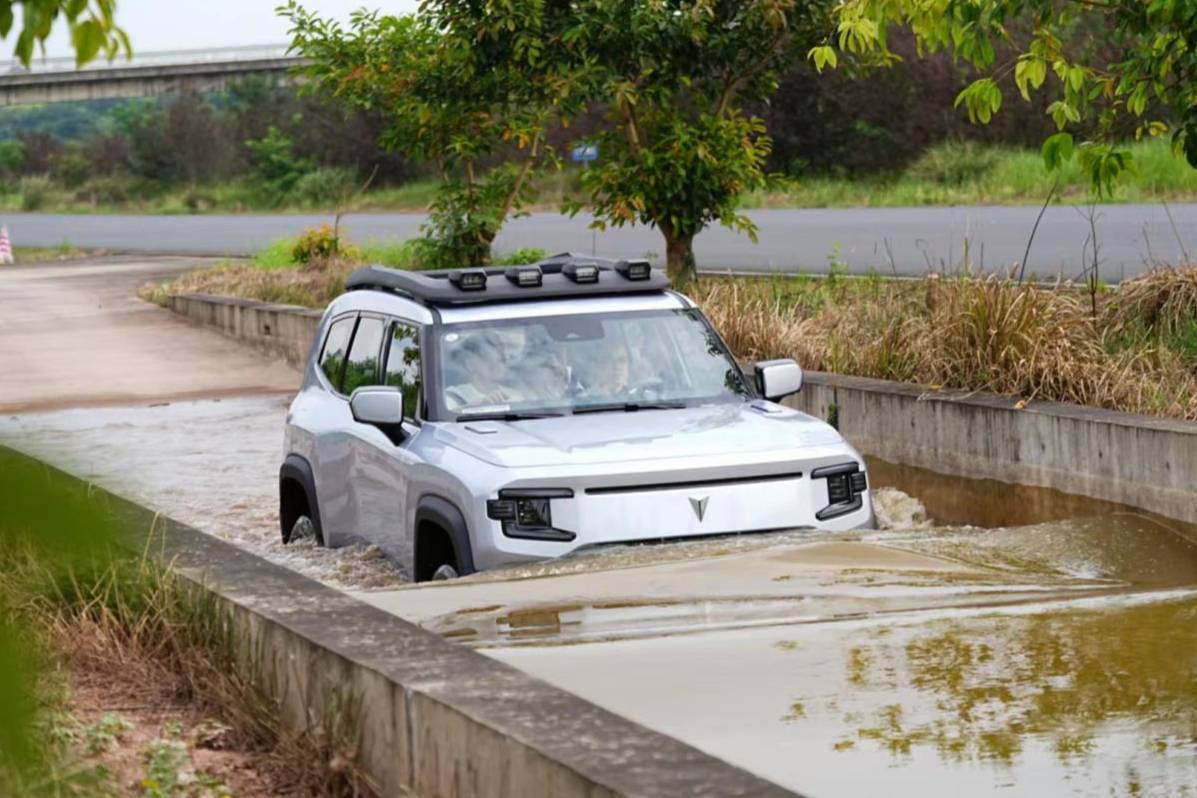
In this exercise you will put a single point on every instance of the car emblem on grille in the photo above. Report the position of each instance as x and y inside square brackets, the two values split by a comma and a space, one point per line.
[699, 506]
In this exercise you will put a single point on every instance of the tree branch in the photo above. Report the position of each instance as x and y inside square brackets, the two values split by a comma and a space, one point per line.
[733, 84]
[525, 169]
[631, 125]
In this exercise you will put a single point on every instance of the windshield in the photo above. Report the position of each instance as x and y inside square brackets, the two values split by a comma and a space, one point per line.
[586, 362]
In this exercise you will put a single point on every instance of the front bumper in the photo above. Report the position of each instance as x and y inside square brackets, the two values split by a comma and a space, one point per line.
[655, 504]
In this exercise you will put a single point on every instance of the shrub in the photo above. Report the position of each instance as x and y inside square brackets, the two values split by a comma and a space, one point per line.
[35, 190]
[956, 163]
[198, 199]
[328, 186]
[107, 190]
[518, 257]
[316, 244]
[275, 162]
[72, 168]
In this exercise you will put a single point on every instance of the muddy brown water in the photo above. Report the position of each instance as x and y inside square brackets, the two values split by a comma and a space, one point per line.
[987, 639]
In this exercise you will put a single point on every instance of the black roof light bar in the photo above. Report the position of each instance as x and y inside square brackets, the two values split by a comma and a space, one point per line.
[561, 276]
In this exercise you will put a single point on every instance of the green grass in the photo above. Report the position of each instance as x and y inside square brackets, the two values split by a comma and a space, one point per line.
[963, 174]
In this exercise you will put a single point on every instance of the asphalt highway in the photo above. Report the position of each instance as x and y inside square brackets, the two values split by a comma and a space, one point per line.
[904, 241]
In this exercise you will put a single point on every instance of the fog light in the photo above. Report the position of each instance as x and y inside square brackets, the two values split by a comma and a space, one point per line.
[838, 490]
[525, 276]
[634, 269]
[581, 272]
[533, 513]
[468, 279]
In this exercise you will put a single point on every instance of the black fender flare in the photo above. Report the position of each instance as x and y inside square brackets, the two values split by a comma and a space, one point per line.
[443, 513]
[297, 469]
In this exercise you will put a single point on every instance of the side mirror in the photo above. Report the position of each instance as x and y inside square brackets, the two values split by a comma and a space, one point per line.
[778, 378]
[380, 405]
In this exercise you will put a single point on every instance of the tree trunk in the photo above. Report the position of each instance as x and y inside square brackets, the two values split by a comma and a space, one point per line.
[679, 258]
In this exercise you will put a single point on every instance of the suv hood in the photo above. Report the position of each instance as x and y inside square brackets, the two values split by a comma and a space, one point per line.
[691, 432]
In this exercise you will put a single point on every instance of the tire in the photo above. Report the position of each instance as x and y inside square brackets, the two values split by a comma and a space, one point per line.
[444, 573]
[303, 529]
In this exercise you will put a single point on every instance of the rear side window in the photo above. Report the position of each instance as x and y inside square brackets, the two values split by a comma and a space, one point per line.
[336, 345]
[362, 368]
[403, 365]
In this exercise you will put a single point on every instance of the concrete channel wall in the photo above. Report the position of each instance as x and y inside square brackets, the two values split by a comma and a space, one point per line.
[434, 718]
[280, 330]
[1140, 461]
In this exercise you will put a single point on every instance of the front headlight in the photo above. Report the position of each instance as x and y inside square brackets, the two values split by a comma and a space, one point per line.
[527, 513]
[845, 484]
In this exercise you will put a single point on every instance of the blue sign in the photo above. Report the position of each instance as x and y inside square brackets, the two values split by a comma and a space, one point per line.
[584, 153]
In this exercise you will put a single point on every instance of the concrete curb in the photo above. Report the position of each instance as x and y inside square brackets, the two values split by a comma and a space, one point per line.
[1142, 461]
[435, 718]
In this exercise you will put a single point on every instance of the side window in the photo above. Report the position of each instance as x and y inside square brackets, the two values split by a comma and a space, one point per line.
[362, 368]
[403, 365]
[336, 344]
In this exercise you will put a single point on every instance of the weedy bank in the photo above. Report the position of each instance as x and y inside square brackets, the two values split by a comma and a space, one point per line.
[122, 678]
[1132, 347]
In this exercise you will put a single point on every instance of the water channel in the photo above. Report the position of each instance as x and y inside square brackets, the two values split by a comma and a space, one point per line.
[986, 639]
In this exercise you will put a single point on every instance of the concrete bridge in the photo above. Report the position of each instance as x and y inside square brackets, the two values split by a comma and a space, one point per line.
[52, 80]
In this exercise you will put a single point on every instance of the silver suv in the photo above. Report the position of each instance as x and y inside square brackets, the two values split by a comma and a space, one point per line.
[468, 419]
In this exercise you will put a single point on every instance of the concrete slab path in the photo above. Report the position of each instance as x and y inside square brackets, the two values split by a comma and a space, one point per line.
[75, 334]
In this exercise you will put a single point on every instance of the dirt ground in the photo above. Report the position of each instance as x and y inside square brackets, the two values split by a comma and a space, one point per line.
[139, 723]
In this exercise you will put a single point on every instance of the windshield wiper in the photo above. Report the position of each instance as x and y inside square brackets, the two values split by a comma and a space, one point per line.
[628, 407]
[505, 416]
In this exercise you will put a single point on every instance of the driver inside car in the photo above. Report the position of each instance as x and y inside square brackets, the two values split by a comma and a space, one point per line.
[609, 376]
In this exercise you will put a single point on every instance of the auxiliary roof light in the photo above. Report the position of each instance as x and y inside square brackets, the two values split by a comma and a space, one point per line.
[525, 276]
[634, 269]
[581, 272]
[468, 279]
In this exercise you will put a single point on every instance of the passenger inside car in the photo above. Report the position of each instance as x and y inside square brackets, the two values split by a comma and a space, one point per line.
[479, 362]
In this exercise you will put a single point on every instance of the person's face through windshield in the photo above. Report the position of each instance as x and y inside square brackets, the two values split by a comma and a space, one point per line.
[611, 372]
[548, 376]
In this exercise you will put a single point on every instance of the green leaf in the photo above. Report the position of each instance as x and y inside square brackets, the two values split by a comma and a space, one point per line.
[1029, 73]
[823, 56]
[88, 39]
[24, 48]
[1063, 113]
[1057, 150]
[1188, 139]
[982, 99]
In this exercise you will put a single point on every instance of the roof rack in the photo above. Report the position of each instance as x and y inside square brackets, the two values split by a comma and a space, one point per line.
[564, 275]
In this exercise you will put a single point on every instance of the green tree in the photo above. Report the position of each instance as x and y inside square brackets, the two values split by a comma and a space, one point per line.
[676, 77]
[275, 162]
[467, 86]
[92, 25]
[1149, 62]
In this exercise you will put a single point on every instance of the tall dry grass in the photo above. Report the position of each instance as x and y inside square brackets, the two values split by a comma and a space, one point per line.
[976, 333]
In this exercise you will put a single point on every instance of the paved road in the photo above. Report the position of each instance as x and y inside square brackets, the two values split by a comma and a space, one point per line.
[76, 335]
[1129, 236]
